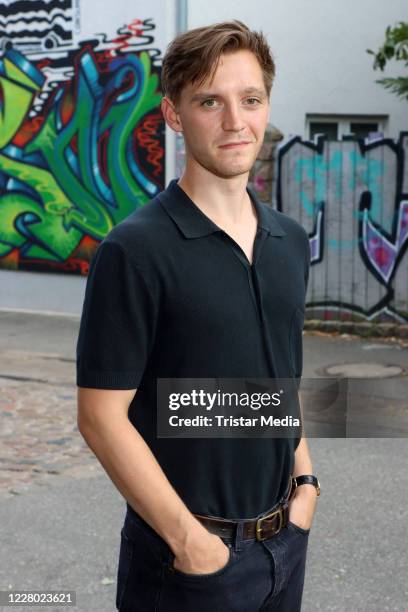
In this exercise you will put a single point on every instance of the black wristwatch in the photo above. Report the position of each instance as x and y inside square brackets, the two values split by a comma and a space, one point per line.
[306, 479]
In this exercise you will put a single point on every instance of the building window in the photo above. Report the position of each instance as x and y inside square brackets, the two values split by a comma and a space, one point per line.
[363, 130]
[329, 128]
[334, 127]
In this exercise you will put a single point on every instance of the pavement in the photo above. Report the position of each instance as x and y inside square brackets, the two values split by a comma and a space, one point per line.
[60, 515]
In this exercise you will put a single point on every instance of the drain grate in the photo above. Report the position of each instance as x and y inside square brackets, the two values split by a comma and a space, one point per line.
[364, 370]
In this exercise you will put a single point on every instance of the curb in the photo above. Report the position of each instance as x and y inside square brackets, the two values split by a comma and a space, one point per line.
[364, 329]
[41, 313]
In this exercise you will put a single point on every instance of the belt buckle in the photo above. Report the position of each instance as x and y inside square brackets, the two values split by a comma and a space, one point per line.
[259, 535]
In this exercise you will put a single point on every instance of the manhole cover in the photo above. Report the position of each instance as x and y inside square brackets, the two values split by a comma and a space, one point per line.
[363, 370]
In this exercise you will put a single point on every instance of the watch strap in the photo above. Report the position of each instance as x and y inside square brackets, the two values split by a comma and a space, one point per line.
[307, 479]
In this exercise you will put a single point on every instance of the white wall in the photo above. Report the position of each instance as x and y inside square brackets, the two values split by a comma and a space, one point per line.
[319, 48]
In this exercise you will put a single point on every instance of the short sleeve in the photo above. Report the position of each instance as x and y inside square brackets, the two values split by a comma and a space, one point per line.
[118, 322]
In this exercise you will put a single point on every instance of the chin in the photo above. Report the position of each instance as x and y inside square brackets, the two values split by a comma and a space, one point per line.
[234, 169]
[223, 172]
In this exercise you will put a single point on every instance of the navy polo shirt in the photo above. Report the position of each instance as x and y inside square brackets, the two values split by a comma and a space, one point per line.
[171, 295]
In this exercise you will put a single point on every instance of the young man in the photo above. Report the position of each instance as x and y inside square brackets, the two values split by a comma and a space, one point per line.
[203, 281]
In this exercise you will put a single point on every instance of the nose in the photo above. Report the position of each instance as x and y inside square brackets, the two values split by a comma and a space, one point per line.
[232, 119]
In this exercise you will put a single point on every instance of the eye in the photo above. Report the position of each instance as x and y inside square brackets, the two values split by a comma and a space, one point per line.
[205, 103]
[253, 101]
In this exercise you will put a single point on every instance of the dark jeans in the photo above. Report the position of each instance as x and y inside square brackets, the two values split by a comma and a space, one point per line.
[265, 576]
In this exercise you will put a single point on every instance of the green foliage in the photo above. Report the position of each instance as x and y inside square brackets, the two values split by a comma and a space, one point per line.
[395, 47]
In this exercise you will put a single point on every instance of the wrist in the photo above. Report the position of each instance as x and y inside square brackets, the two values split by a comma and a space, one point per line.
[306, 491]
[188, 534]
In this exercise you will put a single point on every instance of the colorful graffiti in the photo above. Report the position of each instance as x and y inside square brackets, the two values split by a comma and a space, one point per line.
[81, 142]
[352, 197]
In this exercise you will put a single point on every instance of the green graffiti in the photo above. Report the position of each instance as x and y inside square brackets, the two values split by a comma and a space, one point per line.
[53, 190]
[47, 244]
[18, 92]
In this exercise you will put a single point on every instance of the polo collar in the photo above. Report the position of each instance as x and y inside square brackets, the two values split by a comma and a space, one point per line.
[193, 223]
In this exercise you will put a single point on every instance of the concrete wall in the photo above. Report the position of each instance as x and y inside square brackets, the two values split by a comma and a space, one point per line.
[319, 48]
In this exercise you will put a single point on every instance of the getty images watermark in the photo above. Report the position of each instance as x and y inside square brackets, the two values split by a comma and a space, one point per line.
[221, 399]
[270, 407]
[228, 408]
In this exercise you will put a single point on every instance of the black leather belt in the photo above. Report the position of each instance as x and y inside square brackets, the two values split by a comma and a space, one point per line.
[261, 528]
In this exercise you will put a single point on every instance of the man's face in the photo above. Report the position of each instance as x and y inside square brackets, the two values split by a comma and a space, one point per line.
[224, 121]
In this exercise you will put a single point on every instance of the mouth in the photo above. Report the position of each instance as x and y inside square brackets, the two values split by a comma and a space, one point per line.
[234, 145]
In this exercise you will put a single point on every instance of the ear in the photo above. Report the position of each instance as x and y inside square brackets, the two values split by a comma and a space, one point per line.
[170, 114]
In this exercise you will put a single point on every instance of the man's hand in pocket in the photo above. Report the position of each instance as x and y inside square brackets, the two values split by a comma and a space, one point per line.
[302, 507]
[204, 553]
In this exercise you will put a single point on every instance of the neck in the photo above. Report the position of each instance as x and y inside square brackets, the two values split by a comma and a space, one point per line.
[225, 200]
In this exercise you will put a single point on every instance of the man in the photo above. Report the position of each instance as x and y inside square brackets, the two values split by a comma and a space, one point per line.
[201, 282]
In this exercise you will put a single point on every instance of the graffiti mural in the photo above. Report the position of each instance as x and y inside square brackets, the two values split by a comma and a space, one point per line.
[81, 133]
[352, 197]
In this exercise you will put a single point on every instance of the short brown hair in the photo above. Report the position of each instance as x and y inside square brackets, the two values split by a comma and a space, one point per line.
[194, 55]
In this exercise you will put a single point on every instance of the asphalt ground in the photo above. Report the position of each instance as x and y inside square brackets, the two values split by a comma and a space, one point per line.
[60, 515]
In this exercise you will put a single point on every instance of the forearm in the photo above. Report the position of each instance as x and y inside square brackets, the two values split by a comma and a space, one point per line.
[303, 502]
[303, 461]
[136, 473]
[304, 499]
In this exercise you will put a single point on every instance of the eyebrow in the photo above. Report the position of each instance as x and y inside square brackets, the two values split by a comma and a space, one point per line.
[202, 95]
